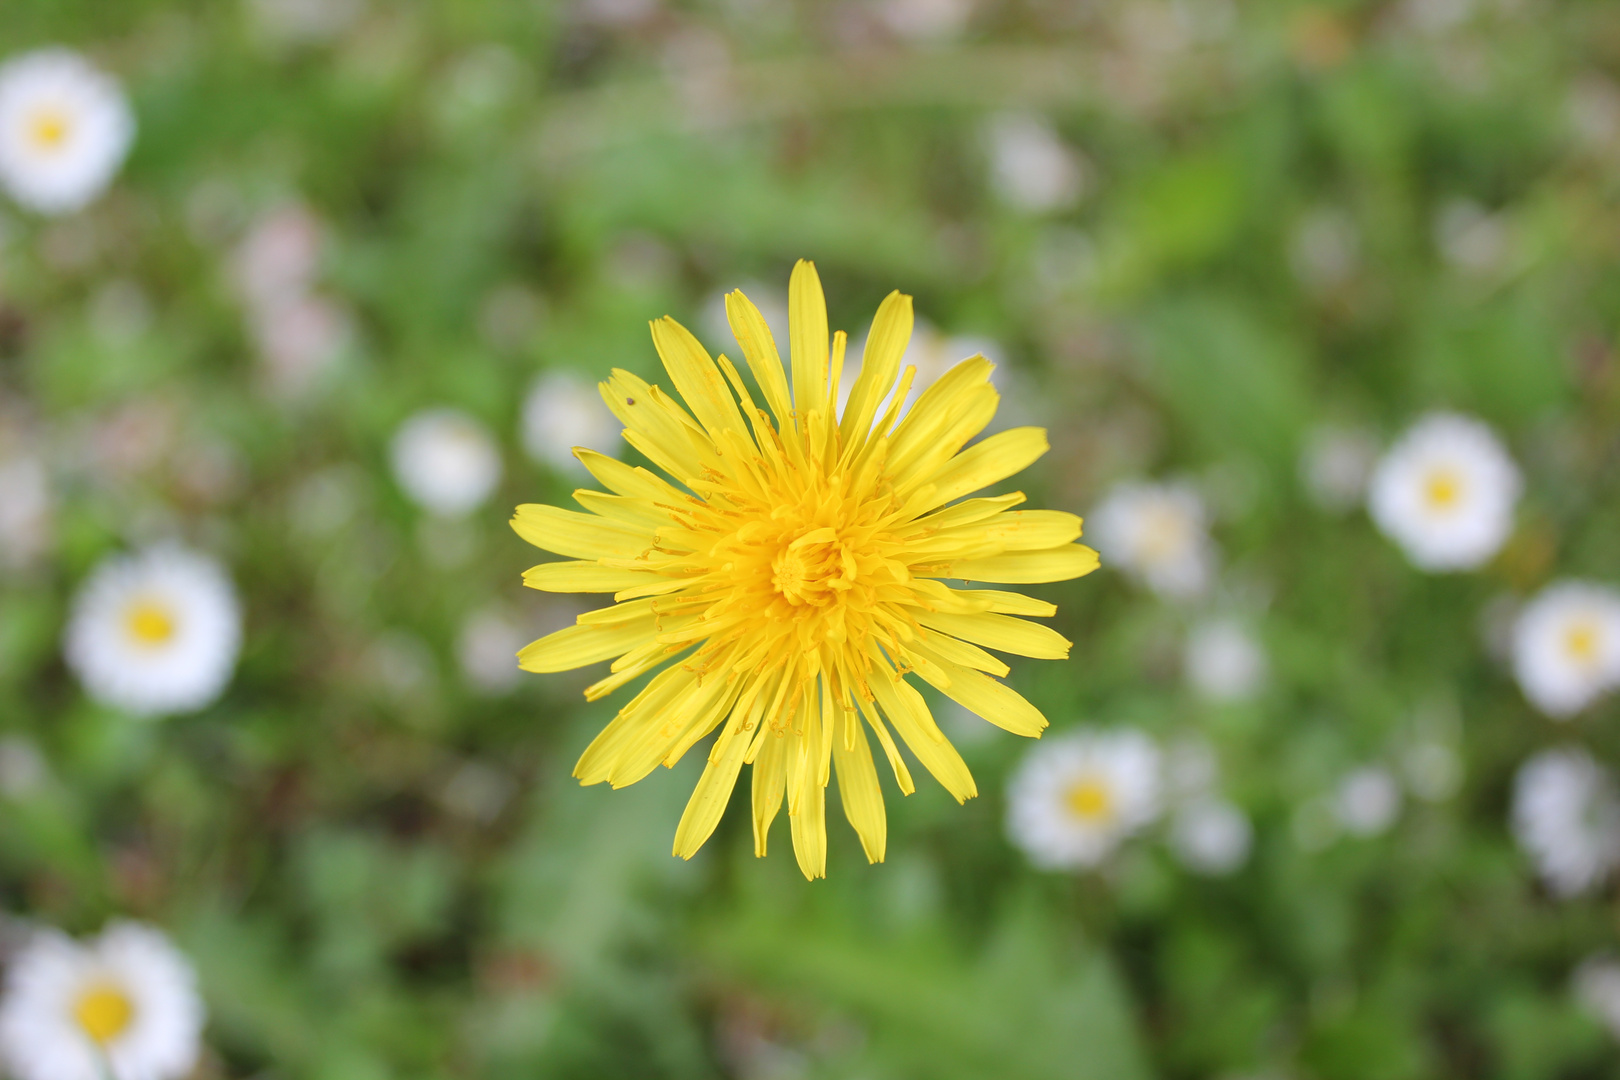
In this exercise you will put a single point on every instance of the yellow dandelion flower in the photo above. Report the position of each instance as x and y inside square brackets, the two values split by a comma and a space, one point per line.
[795, 577]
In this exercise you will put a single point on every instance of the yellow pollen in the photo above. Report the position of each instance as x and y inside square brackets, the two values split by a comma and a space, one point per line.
[1442, 488]
[149, 623]
[1089, 799]
[104, 1012]
[50, 128]
[1581, 640]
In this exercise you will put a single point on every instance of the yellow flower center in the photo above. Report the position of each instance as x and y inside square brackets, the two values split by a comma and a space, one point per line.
[1089, 799]
[1442, 489]
[1581, 642]
[49, 128]
[104, 1012]
[149, 623]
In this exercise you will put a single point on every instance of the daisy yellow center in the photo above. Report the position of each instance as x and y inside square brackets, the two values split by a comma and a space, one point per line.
[150, 623]
[49, 128]
[1581, 641]
[103, 1012]
[1164, 534]
[788, 579]
[1089, 799]
[1442, 489]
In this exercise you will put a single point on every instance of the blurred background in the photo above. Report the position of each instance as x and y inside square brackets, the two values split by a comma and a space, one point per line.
[344, 305]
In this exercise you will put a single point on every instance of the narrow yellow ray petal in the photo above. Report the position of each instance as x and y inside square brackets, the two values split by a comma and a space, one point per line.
[1002, 633]
[636, 513]
[753, 334]
[1012, 603]
[966, 512]
[807, 336]
[584, 577]
[576, 646]
[631, 480]
[579, 536]
[979, 693]
[596, 763]
[960, 652]
[1028, 567]
[695, 377]
[902, 774]
[984, 463]
[708, 802]
[770, 775]
[858, 789]
[908, 712]
[880, 363]
[809, 828]
[1023, 530]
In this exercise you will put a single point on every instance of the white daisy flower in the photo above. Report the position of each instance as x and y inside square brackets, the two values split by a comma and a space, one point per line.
[1335, 466]
[1596, 987]
[487, 649]
[155, 633]
[1224, 661]
[1445, 493]
[1077, 796]
[561, 412]
[446, 461]
[1566, 816]
[1367, 801]
[1031, 168]
[64, 130]
[1159, 534]
[1566, 646]
[1211, 836]
[121, 1007]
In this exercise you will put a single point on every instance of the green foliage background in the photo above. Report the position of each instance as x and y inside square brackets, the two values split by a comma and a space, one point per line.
[351, 921]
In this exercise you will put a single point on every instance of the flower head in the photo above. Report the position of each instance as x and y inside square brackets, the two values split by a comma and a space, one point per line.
[1159, 534]
[123, 1006]
[154, 633]
[64, 130]
[1566, 646]
[791, 578]
[446, 461]
[1566, 815]
[1075, 798]
[1445, 493]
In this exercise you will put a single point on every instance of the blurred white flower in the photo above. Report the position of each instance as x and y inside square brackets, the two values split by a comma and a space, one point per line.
[1471, 238]
[1158, 534]
[123, 1006]
[1566, 646]
[1445, 492]
[1433, 770]
[487, 650]
[561, 412]
[1566, 817]
[1596, 988]
[446, 461]
[26, 510]
[280, 256]
[1224, 661]
[925, 20]
[1367, 801]
[64, 130]
[1592, 111]
[156, 632]
[23, 769]
[1191, 769]
[300, 338]
[1326, 249]
[1031, 168]
[299, 21]
[1077, 796]
[1211, 836]
[1335, 466]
